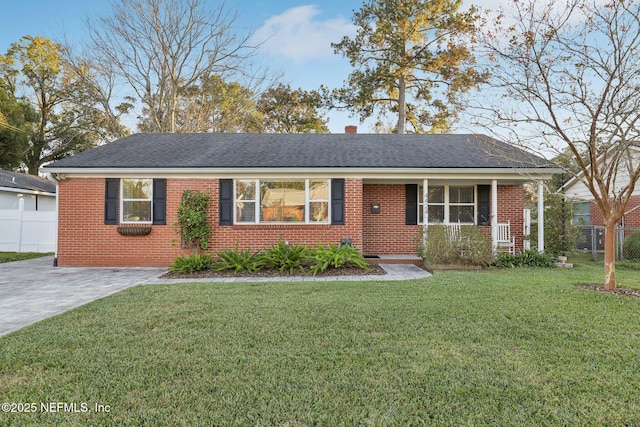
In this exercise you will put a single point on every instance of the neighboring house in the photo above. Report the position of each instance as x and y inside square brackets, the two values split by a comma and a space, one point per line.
[39, 194]
[27, 213]
[302, 188]
[586, 211]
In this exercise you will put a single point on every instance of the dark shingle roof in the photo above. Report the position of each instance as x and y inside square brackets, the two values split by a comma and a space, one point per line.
[21, 181]
[207, 150]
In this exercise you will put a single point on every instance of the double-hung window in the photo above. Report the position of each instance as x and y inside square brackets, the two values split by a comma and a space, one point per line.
[137, 200]
[449, 204]
[304, 201]
[581, 213]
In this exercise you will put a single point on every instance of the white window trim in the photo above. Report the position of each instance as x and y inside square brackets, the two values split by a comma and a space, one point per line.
[447, 204]
[122, 200]
[256, 201]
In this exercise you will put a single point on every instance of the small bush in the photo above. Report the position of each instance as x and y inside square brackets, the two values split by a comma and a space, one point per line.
[336, 257]
[191, 263]
[237, 261]
[559, 238]
[285, 257]
[530, 258]
[470, 248]
[631, 247]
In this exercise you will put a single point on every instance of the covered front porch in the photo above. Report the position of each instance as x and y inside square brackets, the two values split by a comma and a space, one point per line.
[395, 213]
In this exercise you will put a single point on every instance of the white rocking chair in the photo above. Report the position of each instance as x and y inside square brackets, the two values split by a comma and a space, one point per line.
[453, 232]
[505, 241]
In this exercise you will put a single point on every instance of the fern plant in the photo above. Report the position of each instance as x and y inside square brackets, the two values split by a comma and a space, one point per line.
[237, 261]
[191, 263]
[336, 257]
[285, 257]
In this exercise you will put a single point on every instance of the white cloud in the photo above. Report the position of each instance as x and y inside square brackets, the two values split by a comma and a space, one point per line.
[300, 36]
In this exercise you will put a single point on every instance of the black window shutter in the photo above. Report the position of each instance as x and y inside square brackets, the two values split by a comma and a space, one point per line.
[337, 201]
[226, 202]
[160, 201]
[411, 204]
[112, 187]
[484, 205]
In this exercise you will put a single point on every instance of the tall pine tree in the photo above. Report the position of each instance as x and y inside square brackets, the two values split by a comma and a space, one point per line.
[412, 58]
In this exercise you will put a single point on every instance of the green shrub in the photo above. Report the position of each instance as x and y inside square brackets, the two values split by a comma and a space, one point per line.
[559, 238]
[237, 261]
[529, 258]
[471, 248]
[192, 219]
[631, 247]
[336, 257]
[191, 263]
[285, 257]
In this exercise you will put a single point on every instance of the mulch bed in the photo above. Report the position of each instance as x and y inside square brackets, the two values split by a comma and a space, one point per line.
[618, 291]
[345, 271]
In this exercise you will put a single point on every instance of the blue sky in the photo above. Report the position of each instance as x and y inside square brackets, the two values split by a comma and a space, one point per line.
[299, 34]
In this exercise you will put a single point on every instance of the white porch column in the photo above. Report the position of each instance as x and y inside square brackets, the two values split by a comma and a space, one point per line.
[494, 215]
[425, 211]
[526, 244]
[540, 217]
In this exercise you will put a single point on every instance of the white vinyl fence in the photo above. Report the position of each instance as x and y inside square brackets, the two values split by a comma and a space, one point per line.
[27, 231]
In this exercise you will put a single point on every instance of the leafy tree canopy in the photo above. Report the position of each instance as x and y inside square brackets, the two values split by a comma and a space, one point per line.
[16, 121]
[413, 59]
[50, 104]
[287, 110]
[210, 105]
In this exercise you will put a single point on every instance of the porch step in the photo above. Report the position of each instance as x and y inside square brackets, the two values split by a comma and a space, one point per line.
[393, 259]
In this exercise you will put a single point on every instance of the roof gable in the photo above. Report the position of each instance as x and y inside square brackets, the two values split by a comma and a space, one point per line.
[576, 187]
[210, 150]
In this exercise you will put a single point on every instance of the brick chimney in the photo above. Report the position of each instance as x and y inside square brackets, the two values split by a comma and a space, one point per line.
[351, 129]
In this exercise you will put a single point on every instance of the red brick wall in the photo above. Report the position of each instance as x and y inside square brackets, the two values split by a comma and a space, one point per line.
[511, 208]
[84, 240]
[631, 220]
[386, 232]
[262, 236]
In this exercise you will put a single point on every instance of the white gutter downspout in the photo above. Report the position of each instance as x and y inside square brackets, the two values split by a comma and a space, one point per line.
[50, 177]
[540, 217]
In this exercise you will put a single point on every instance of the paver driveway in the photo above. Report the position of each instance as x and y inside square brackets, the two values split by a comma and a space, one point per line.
[34, 289]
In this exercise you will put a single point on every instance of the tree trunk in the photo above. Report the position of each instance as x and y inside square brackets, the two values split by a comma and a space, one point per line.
[402, 106]
[174, 106]
[610, 256]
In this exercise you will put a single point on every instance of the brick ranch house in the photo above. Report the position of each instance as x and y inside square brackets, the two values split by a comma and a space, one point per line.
[302, 188]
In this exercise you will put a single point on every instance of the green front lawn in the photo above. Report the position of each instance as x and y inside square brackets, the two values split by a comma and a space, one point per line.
[20, 256]
[512, 347]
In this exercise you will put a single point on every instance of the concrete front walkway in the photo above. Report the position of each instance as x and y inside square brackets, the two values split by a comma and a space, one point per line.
[34, 290]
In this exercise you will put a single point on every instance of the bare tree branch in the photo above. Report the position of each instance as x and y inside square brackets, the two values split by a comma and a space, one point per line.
[162, 47]
[567, 77]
